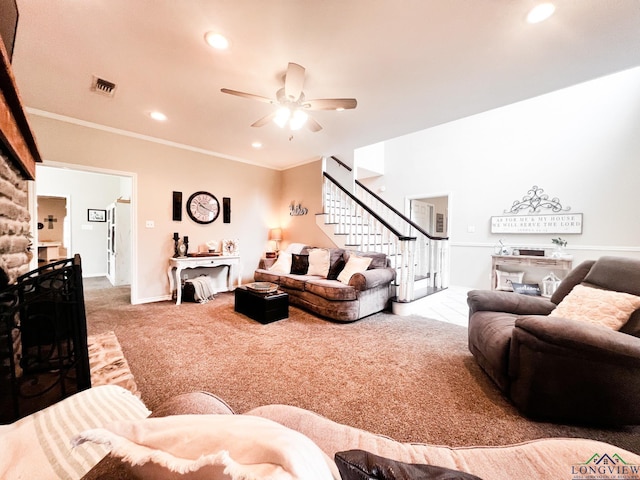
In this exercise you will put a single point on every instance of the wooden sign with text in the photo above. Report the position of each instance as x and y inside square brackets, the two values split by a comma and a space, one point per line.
[555, 223]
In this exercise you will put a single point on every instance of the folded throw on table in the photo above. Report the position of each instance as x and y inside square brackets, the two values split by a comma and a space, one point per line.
[204, 289]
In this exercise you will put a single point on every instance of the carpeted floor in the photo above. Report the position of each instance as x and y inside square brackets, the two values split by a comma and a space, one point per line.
[410, 378]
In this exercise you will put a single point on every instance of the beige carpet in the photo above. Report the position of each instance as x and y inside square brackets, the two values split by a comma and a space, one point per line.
[410, 378]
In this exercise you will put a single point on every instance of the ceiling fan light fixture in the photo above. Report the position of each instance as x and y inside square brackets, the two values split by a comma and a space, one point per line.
[298, 119]
[282, 117]
[216, 40]
[541, 12]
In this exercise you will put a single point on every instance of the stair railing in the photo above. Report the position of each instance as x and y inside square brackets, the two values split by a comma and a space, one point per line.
[432, 252]
[365, 230]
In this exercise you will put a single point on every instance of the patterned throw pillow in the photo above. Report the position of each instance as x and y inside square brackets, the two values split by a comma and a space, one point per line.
[602, 307]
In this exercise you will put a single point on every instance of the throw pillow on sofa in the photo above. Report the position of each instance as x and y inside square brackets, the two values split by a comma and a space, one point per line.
[602, 307]
[362, 465]
[355, 265]
[299, 264]
[283, 264]
[319, 260]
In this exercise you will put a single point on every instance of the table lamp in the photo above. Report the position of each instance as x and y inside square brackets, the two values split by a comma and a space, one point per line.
[275, 234]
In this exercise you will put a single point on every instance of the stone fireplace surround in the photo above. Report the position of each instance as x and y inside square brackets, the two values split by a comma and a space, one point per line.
[18, 156]
[15, 236]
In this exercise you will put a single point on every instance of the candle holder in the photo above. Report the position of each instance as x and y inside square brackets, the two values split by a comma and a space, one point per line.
[185, 240]
[176, 237]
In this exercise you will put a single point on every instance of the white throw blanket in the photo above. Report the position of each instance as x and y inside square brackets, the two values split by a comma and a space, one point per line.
[224, 447]
[204, 288]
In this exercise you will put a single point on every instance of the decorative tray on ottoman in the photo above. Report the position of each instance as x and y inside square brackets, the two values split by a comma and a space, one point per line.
[262, 287]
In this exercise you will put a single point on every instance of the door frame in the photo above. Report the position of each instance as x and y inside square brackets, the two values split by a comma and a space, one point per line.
[134, 195]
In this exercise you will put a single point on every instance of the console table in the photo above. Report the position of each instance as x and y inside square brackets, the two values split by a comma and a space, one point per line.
[564, 264]
[176, 265]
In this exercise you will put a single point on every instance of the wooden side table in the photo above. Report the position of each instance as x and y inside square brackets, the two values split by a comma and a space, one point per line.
[176, 265]
[564, 264]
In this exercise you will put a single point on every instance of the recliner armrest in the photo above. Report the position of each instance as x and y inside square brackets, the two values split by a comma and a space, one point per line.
[509, 302]
[372, 278]
[583, 338]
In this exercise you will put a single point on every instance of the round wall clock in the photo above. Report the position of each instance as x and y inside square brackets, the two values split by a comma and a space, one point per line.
[203, 207]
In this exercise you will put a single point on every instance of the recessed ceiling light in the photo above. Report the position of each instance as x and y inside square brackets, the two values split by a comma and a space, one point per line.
[216, 40]
[159, 116]
[256, 145]
[541, 12]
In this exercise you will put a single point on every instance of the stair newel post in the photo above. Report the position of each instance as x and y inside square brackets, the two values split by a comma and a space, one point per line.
[407, 250]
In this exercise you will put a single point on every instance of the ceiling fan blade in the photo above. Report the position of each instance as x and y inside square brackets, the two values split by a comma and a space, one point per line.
[293, 81]
[264, 120]
[330, 104]
[247, 95]
[313, 125]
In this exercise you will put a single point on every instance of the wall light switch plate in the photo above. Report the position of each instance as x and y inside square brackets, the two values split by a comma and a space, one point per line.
[150, 224]
[471, 229]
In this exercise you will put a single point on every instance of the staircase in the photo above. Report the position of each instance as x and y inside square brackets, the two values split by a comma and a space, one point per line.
[365, 222]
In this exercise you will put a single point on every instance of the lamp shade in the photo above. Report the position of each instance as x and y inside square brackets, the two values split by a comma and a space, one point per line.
[275, 234]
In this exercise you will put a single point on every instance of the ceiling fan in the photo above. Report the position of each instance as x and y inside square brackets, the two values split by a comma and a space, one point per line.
[292, 103]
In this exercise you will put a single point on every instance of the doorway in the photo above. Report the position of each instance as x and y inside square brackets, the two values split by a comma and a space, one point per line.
[54, 241]
[87, 191]
[431, 213]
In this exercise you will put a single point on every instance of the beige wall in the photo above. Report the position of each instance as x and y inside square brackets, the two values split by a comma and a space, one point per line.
[579, 144]
[302, 185]
[159, 170]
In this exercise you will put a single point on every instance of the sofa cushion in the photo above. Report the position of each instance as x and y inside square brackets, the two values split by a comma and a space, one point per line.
[299, 264]
[355, 264]
[331, 289]
[294, 282]
[616, 273]
[601, 307]
[363, 465]
[319, 262]
[549, 458]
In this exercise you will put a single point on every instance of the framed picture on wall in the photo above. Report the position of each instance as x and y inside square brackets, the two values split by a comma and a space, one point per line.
[94, 215]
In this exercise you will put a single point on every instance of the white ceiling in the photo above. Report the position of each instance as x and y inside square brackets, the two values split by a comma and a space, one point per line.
[411, 64]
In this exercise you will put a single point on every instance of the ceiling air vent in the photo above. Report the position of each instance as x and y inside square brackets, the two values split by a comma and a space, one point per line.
[105, 87]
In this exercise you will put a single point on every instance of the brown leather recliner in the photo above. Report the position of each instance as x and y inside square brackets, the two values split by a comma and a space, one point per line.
[558, 369]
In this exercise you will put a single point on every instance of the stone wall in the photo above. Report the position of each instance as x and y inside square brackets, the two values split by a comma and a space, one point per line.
[15, 237]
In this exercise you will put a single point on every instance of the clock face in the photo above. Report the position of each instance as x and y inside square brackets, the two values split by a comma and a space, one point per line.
[203, 207]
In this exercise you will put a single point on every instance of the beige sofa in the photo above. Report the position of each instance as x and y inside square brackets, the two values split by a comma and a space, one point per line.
[552, 458]
[365, 293]
[40, 445]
